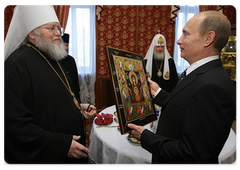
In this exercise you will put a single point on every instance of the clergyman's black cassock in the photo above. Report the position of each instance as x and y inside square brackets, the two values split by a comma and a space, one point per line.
[40, 115]
[167, 85]
[70, 66]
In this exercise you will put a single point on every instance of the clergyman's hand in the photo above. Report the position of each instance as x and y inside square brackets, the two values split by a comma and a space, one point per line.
[88, 110]
[76, 149]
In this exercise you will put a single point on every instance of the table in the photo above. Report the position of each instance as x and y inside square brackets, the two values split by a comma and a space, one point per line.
[108, 146]
[228, 153]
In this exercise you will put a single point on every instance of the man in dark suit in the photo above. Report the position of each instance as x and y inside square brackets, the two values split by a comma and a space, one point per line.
[197, 115]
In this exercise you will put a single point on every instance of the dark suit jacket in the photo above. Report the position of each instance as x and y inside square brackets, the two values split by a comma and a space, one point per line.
[196, 118]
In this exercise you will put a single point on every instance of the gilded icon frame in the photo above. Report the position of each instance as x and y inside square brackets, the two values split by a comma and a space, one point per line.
[133, 99]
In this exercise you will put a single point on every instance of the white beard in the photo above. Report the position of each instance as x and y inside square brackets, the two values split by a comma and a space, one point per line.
[55, 51]
[158, 56]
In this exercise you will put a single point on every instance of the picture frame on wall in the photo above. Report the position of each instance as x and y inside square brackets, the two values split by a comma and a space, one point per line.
[133, 99]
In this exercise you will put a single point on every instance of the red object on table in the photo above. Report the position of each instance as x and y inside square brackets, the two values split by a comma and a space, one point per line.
[104, 119]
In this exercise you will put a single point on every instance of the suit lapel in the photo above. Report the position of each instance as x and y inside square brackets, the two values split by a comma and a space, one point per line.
[192, 77]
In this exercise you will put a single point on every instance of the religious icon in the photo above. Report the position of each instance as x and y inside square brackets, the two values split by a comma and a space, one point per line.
[143, 80]
[145, 92]
[125, 95]
[130, 112]
[140, 68]
[140, 110]
[119, 65]
[130, 66]
[131, 89]
[134, 87]
[122, 78]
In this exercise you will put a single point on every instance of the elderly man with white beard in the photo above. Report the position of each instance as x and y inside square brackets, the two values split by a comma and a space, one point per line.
[160, 65]
[43, 118]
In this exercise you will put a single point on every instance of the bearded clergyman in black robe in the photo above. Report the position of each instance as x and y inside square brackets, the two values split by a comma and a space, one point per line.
[160, 65]
[43, 118]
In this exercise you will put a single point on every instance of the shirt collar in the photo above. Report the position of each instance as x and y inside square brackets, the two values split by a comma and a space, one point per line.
[200, 63]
